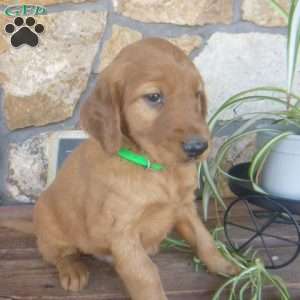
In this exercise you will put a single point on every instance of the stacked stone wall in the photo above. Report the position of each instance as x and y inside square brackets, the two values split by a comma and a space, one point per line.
[236, 44]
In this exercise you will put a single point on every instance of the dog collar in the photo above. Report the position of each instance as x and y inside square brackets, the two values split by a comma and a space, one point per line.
[139, 160]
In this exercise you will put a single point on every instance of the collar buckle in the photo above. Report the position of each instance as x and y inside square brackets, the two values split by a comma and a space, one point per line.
[148, 164]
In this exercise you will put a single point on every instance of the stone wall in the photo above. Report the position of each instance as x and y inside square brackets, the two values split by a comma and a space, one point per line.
[236, 44]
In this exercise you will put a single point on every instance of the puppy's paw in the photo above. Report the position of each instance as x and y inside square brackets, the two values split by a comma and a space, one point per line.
[230, 269]
[74, 276]
[222, 266]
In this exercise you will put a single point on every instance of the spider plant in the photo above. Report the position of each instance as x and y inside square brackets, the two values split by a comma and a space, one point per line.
[253, 278]
[289, 114]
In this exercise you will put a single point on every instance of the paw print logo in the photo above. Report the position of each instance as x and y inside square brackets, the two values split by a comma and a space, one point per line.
[24, 33]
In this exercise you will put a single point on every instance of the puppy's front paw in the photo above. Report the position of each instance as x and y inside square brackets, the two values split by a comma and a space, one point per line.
[230, 269]
[222, 266]
[74, 276]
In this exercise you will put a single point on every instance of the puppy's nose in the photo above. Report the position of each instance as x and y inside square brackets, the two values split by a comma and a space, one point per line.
[194, 147]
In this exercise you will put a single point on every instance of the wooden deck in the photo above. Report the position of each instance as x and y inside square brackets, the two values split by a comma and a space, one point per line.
[24, 275]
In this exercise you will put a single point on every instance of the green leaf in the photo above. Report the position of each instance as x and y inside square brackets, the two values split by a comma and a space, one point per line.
[206, 195]
[244, 289]
[231, 102]
[279, 9]
[213, 187]
[293, 42]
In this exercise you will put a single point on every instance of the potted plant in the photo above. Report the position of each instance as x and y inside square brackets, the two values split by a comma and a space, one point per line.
[275, 168]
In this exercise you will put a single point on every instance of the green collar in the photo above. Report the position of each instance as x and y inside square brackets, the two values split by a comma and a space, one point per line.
[139, 159]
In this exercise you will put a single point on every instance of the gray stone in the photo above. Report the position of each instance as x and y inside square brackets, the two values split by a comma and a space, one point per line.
[240, 152]
[231, 63]
[28, 164]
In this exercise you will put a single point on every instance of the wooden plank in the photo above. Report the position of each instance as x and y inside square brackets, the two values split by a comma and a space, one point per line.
[33, 279]
[16, 211]
[24, 275]
[10, 239]
[13, 240]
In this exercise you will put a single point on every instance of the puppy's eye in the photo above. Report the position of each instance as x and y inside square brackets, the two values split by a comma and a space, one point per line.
[154, 98]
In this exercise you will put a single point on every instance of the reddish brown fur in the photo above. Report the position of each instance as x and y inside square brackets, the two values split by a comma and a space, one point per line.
[102, 205]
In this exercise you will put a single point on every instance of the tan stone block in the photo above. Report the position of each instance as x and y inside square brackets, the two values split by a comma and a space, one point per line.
[123, 36]
[186, 43]
[262, 13]
[120, 38]
[4, 44]
[43, 84]
[188, 12]
[35, 110]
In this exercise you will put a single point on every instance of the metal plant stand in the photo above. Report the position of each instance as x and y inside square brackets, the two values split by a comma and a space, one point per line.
[258, 227]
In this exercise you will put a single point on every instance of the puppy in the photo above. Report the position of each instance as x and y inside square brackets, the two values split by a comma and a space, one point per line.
[150, 100]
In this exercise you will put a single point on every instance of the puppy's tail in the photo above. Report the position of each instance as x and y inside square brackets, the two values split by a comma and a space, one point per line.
[24, 226]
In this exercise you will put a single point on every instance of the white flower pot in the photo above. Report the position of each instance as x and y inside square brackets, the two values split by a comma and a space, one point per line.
[281, 172]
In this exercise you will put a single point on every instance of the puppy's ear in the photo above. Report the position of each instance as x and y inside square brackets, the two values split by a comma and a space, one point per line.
[100, 114]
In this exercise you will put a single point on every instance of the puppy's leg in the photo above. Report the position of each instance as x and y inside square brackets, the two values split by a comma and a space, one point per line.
[190, 227]
[136, 269]
[73, 273]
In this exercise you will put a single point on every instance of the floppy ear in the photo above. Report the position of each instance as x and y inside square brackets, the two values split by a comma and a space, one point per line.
[100, 114]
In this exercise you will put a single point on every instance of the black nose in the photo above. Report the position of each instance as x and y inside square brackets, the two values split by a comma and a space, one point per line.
[194, 147]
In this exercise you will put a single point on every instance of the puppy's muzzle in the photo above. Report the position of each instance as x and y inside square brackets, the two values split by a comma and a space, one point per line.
[194, 147]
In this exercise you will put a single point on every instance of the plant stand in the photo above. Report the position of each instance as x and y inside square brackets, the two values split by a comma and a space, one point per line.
[261, 226]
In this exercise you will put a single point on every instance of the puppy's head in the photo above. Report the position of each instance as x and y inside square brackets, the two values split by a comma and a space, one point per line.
[152, 94]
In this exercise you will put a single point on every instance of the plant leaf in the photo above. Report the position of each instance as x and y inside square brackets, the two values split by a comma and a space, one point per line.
[279, 9]
[293, 42]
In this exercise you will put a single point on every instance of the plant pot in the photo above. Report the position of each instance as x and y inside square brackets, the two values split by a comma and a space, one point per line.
[280, 175]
